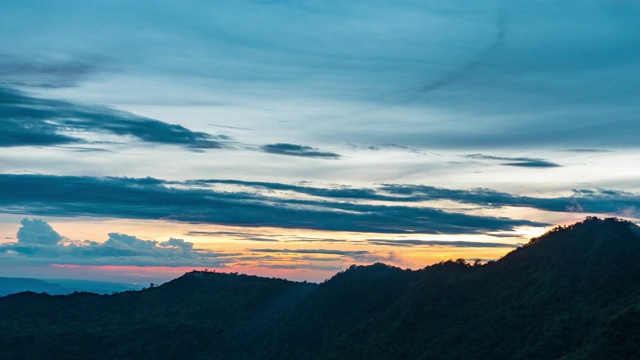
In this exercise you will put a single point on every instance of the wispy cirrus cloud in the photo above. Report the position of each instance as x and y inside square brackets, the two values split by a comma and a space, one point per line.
[28, 120]
[234, 235]
[429, 243]
[516, 161]
[349, 253]
[298, 150]
[489, 66]
[587, 150]
[315, 257]
[39, 73]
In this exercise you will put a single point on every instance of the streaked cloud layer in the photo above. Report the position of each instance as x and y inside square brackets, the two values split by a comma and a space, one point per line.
[156, 199]
[398, 208]
[389, 119]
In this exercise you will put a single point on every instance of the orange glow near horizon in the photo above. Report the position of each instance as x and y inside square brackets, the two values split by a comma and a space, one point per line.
[150, 273]
[138, 273]
[295, 254]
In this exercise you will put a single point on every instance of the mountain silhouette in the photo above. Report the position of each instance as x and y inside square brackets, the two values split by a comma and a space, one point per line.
[550, 299]
[573, 293]
[15, 285]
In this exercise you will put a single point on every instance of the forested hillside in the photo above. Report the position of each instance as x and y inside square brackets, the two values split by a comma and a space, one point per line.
[573, 293]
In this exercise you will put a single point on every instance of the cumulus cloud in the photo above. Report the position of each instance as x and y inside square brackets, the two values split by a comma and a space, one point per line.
[118, 240]
[37, 232]
[177, 243]
[38, 241]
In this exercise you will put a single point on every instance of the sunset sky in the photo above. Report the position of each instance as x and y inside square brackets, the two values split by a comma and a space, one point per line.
[142, 139]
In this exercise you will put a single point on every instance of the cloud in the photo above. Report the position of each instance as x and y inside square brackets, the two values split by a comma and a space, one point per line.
[148, 198]
[298, 266]
[176, 243]
[587, 150]
[298, 150]
[601, 201]
[303, 239]
[332, 192]
[378, 147]
[583, 200]
[192, 201]
[253, 236]
[32, 121]
[515, 161]
[235, 235]
[47, 74]
[487, 73]
[460, 244]
[480, 58]
[123, 241]
[313, 251]
[216, 233]
[604, 201]
[37, 232]
[330, 255]
[38, 241]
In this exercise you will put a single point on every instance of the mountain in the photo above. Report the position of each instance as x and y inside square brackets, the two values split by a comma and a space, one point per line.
[198, 313]
[60, 287]
[551, 299]
[16, 285]
[573, 293]
[334, 308]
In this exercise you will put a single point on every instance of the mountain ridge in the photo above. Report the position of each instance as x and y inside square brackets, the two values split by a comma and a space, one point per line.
[572, 293]
[11, 285]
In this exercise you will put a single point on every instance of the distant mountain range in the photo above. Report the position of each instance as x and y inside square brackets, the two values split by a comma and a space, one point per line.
[61, 287]
[573, 293]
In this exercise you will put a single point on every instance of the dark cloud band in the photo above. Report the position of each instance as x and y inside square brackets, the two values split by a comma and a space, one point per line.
[148, 198]
[582, 200]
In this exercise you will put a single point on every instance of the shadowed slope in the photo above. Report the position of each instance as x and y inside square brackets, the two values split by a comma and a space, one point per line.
[546, 300]
[569, 294]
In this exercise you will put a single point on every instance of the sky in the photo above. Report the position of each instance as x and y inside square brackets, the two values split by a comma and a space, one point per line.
[141, 140]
